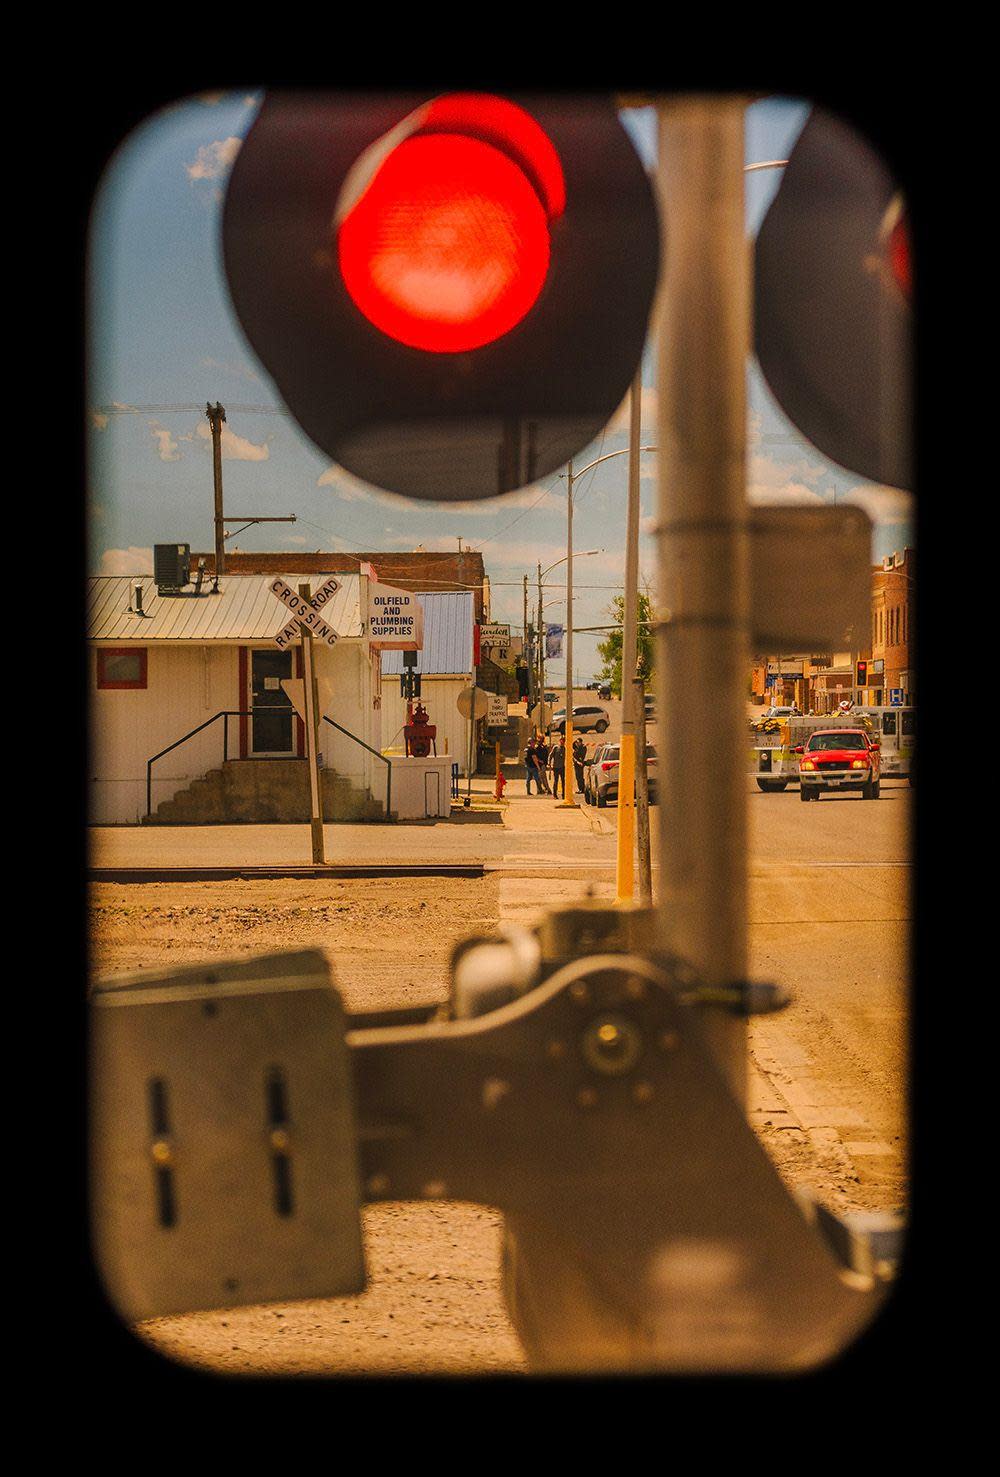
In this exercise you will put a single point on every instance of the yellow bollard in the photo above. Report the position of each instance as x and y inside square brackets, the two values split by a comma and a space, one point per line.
[625, 872]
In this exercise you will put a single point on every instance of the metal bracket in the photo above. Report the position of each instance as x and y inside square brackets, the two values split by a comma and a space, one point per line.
[647, 1227]
[223, 1148]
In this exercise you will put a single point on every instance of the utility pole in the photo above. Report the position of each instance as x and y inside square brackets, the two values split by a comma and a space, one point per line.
[703, 338]
[525, 645]
[568, 801]
[216, 416]
[312, 736]
[541, 643]
[625, 869]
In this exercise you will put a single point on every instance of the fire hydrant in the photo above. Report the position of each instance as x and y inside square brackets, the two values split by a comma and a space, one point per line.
[418, 734]
[500, 786]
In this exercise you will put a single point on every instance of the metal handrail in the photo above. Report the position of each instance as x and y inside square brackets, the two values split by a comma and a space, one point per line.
[387, 762]
[224, 713]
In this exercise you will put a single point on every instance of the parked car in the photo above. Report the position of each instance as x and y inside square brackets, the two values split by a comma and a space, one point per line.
[584, 718]
[589, 771]
[839, 759]
[604, 774]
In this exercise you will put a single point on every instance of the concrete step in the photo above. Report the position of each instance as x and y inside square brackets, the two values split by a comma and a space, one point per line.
[265, 790]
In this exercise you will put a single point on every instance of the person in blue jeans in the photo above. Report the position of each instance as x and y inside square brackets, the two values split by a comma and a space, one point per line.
[557, 763]
[530, 768]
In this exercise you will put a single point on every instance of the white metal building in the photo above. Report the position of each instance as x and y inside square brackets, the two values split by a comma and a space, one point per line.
[446, 666]
[162, 666]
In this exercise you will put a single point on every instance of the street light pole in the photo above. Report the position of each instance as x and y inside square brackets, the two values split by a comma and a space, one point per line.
[625, 868]
[568, 802]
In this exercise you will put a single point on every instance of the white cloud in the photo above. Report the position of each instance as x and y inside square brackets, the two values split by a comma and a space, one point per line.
[166, 445]
[236, 448]
[98, 420]
[214, 159]
[352, 489]
[620, 420]
[126, 561]
[882, 504]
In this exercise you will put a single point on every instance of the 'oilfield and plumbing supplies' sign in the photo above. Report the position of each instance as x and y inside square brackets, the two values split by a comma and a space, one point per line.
[395, 618]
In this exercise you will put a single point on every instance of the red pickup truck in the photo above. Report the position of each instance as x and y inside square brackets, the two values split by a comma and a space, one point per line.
[839, 759]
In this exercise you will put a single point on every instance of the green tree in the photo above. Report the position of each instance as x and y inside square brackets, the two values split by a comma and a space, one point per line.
[611, 649]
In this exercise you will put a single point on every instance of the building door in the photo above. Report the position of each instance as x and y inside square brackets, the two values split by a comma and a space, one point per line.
[271, 733]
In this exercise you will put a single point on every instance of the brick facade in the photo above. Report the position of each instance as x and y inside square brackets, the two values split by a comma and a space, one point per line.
[830, 677]
[423, 572]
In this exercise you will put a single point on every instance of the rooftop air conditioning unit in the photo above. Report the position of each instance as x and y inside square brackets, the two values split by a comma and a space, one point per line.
[171, 567]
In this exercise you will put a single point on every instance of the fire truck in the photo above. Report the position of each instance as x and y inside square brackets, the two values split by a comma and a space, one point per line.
[774, 763]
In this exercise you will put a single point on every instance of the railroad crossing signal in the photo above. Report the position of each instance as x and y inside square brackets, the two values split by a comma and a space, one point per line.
[307, 613]
[451, 293]
[833, 316]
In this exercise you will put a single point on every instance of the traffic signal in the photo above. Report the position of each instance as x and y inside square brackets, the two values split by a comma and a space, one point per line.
[451, 293]
[861, 674]
[833, 295]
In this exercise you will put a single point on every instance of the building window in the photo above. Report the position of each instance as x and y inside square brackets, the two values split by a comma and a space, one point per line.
[121, 666]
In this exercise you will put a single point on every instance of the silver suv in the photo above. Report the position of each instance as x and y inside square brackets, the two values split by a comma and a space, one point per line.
[584, 718]
[601, 777]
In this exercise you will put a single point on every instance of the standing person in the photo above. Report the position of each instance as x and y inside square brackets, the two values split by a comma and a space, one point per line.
[542, 760]
[579, 755]
[530, 769]
[557, 763]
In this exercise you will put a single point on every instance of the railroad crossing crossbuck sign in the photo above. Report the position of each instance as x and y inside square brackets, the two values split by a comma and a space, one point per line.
[306, 612]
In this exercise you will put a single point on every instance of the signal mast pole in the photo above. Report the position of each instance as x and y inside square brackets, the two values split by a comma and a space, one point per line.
[703, 339]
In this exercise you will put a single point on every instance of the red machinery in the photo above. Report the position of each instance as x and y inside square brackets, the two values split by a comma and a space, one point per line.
[419, 735]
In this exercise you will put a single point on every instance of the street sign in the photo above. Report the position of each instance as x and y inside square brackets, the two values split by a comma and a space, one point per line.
[810, 581]
[496, 712]
[473, 702]
[493, 635]
[325, 592]
[895, 697]
[306, 613]
[395, 619]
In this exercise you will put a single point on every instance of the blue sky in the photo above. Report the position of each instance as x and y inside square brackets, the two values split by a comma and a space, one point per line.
[163, 334]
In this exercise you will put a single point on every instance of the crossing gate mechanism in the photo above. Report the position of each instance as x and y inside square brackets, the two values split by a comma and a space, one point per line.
[240, 1120]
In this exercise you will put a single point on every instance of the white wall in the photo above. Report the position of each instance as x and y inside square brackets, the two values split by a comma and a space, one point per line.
[348, 669]
[439, 696]
[184, 687]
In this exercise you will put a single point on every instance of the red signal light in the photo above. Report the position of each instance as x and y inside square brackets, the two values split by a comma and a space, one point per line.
[900, 259]
[447, 246]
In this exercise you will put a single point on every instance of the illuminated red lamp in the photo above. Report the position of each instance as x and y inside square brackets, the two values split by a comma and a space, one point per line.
[445, 245]
[900, 261]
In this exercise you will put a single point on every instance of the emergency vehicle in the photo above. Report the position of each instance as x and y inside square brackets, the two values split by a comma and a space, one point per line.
[774, 763]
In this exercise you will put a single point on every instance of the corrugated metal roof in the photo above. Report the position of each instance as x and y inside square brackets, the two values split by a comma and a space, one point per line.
[448, 621]
[243, 610]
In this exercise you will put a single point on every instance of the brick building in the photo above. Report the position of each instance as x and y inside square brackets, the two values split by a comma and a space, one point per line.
[419, 570]
[819, 682]
[892, 634]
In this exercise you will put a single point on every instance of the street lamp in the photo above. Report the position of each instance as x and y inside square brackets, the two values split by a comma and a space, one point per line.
[566, 559]
[633, 537]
